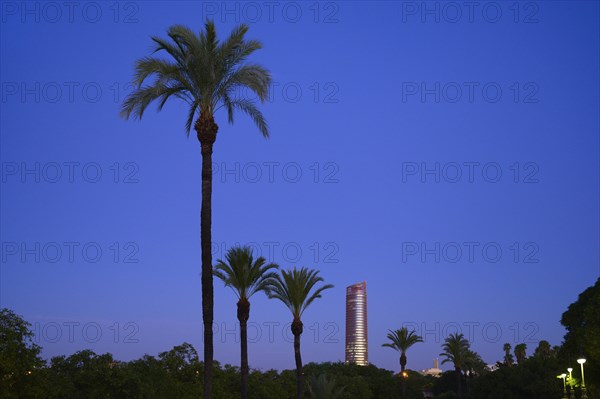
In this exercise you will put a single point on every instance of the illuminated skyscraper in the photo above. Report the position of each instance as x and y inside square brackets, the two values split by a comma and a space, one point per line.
[357, 339]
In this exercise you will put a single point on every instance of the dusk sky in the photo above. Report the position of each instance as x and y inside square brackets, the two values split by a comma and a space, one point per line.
[446, 154]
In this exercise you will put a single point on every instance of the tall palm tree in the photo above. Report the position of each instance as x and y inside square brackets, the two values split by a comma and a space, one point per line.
[245, 276]
[401, 340]
[508, 358]
[206, 74]
[520, 352]
[293, 288]
[456, 349]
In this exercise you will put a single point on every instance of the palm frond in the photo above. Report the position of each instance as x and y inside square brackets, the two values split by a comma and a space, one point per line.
[402, 339]
[136, 103]
[249, 108]
[315, 295]
[244, 275]
[293, 288]
[191, 115]
[455, 349]
[254, 77]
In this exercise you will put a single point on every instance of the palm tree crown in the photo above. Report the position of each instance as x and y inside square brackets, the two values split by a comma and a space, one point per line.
[520, 352]
[244, 275]
[455, 350]
[294, 287]
[203, 72]
[473, 363]
[401, 339]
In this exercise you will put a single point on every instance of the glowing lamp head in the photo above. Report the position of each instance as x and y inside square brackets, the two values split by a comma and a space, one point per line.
[570, 369]
[563, 375]
[581, 361]
[404, 374]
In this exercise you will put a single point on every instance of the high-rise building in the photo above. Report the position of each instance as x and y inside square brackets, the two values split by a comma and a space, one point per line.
[357, 339]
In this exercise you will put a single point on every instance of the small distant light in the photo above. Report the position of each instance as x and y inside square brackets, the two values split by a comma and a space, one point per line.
[581, 361]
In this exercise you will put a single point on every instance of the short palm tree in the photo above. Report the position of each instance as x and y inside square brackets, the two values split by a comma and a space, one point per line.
[508, 358]
[245, 276]
[543, 350]
[295, 289]
[456, 349]
[472, 365]
[206, 74]
[520, 352]
[401, 340]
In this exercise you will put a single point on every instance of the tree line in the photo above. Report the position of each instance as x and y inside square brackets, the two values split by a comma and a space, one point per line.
[178, 373]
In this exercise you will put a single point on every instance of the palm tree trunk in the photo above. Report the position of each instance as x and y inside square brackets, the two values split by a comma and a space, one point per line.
[458, 382]
[206, 129]
[469, 382]
[243, 313]
[402, 368]
[297, 329]
[403, 386]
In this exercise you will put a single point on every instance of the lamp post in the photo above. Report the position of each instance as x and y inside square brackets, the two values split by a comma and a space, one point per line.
[563, 376]
[571, 391]
[583, 390]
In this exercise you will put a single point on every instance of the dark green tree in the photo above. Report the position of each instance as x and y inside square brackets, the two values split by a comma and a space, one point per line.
[582, 322]
[535, 377]
[322, 387]
[20, 360]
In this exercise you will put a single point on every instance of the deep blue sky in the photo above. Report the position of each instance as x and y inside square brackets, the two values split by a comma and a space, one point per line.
[347, 103]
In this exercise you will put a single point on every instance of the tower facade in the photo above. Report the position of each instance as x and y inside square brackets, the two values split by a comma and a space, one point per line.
[357, 339]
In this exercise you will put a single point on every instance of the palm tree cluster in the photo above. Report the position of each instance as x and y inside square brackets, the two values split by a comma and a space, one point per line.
[296, 289]
[457, 349]
[208, 75]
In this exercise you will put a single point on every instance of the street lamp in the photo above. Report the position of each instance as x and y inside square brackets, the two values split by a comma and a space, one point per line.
[583, 390]
[571, 391]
